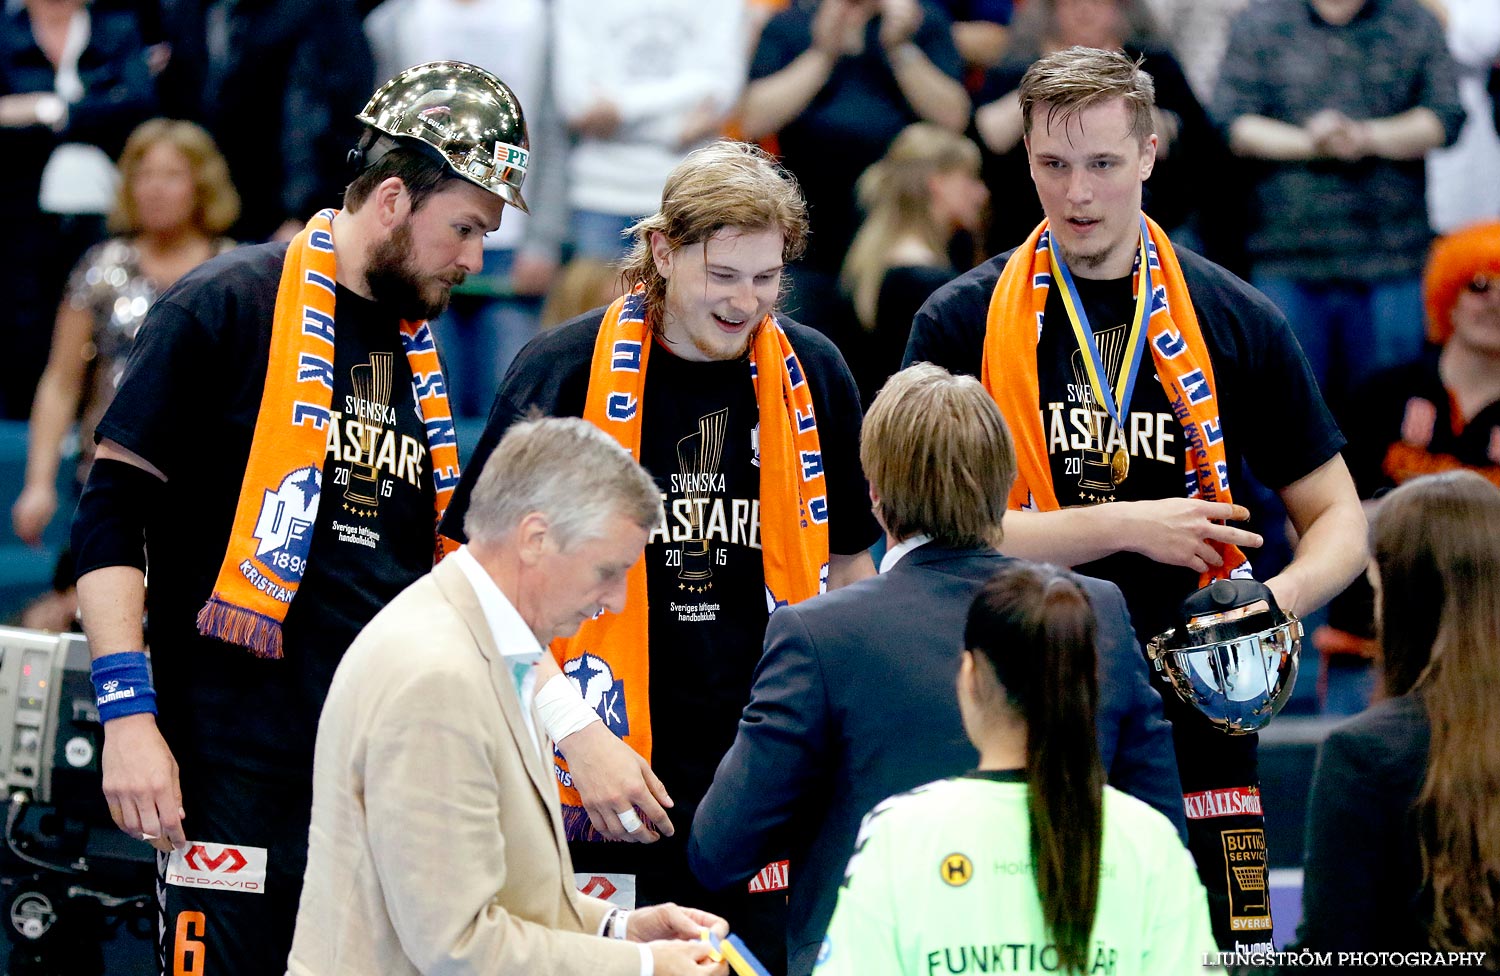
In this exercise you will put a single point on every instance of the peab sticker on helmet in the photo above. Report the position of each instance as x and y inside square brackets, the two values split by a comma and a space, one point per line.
[513, 156]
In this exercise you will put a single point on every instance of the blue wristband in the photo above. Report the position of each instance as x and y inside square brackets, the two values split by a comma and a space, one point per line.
[122, 685]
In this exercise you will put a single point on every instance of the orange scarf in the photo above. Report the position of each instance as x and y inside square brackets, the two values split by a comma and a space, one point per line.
[793, 505]
[278, 502]
[1014, 324]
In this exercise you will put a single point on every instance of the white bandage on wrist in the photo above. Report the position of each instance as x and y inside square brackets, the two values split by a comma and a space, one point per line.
[562, 709]
[619, 923]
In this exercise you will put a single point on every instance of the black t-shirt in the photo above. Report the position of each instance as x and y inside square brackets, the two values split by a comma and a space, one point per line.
[1274, 418]
[849, 123]
[704, 571]
[188, 404]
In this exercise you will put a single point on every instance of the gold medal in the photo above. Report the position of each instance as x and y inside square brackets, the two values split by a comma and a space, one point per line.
[1119, 465]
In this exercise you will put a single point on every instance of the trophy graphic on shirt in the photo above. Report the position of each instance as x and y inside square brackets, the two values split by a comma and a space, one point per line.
[372, 385]
[698, 458]
[1100, 470]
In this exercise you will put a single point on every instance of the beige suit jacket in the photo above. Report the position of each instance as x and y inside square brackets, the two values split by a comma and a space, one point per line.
[437, 844]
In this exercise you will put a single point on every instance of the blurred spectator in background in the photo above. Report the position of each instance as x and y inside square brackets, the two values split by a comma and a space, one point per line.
[1197, 31]
[173, 203]
[838, 80]
[1439, 413]
[921, 198]
[496, 312]
[1463, 182]
[639, 86]
[73, 83]
[1188, 148]
[1339, 101]
[277, 83]
[981, 30]
[583, 283]
[1403, 845]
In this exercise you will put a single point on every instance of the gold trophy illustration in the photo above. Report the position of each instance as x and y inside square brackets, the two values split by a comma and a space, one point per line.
[372, 384]
[698, 458]
[1100, 470]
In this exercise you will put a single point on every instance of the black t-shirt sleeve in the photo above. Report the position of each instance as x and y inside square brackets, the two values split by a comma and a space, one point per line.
[549, 376]
[948, 330]
[162, 383]
[196, 373]
[851, 525]
[503, 413]
[1272, 408]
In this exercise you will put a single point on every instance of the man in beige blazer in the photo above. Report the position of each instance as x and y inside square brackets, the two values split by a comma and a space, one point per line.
[436, 844]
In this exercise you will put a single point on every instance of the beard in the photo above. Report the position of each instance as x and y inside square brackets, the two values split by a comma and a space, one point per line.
[394, 283]
[717, 347]
[1090, 260]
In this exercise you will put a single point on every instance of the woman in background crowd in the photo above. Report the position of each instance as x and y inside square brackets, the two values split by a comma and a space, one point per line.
[1031, 862]
[921, 199]
[174, 201]
[1403, 845]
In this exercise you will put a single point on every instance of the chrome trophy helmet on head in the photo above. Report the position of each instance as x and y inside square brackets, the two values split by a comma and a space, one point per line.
[469, 116]
[1233, 656]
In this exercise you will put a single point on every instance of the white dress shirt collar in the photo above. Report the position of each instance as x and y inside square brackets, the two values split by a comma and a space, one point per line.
[517, 644]
[896, 553]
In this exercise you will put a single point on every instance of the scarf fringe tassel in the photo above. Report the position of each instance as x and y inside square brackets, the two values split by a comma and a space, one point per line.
[577, 826]
[224, 621]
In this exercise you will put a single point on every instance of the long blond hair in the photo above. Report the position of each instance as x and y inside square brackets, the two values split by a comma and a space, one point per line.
[1436, 543]
[724, 184]
[895, 194]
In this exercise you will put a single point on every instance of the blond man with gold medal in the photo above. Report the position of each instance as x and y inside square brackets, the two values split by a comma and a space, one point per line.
[1138, 380]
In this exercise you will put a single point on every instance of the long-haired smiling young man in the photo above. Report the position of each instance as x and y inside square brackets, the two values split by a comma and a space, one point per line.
[750, 424]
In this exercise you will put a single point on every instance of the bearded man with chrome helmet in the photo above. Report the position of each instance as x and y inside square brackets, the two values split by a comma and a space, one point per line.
[260, 379]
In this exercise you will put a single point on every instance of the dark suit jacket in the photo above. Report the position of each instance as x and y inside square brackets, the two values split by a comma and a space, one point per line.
[854, 701]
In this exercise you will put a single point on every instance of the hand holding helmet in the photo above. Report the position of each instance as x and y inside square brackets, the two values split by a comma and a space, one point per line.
[1233, 656]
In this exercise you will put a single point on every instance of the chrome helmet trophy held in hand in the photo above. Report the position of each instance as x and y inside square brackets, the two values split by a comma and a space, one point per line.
[470, 117]
[1233, 655]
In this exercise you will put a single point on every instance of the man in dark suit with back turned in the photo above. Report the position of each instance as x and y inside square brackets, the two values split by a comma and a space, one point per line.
[854, 698]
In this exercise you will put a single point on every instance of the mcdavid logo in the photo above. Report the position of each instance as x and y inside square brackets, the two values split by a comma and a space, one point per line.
[226, 867]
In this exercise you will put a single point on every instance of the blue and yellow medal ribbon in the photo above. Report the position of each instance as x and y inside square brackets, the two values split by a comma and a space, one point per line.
[1115, 399]
[742, 962]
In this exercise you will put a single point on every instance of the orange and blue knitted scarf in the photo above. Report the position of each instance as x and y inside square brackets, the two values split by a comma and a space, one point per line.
[793, 505]
[278, 500]
[1016, 312]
